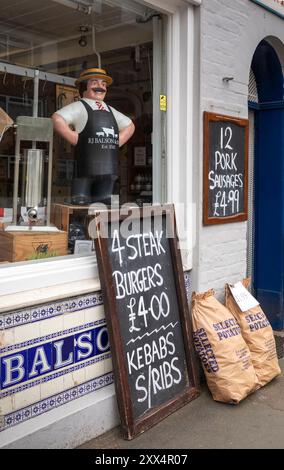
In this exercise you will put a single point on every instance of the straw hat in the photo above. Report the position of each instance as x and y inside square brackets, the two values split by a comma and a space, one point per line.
[93, 73]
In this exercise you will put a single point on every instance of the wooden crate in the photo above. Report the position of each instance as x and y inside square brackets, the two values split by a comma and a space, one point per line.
[61, 213]
[22, 246]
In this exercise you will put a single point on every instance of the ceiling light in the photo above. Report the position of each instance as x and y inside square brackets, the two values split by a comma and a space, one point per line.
[83, 39]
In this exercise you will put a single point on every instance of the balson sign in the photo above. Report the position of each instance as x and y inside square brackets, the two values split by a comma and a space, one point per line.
[274, 6]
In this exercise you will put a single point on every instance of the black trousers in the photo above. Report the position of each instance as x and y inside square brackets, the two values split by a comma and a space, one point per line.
[97, 188]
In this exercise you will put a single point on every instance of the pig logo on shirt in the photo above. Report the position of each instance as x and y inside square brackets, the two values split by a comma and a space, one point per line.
[107, 131]
[106, 136]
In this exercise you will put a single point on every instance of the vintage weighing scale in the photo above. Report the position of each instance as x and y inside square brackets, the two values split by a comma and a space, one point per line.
[31, 235]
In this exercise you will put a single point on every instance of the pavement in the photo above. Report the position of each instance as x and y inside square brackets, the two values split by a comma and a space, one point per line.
[256, 423]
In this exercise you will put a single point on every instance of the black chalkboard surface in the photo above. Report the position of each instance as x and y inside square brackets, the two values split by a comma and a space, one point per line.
[147, 315]
[225, 169]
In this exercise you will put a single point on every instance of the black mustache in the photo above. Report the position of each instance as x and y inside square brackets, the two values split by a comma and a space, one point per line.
[99, 90]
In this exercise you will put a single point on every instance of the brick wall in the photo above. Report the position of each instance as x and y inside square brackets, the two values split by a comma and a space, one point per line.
[230, 33]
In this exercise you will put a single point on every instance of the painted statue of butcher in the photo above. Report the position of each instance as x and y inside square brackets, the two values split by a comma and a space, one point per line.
[97, 131]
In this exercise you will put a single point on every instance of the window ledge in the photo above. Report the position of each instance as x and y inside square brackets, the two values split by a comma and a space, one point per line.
[48, 294]
[30, 276]
[30, 283]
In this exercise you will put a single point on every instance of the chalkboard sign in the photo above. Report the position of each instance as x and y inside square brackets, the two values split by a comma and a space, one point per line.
[225, 185]
[147, 314]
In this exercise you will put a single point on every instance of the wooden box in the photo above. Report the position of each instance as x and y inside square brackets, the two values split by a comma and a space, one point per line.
[23, 246]
[61, 214]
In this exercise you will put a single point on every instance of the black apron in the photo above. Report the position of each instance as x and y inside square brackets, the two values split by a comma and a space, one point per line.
[96, 156]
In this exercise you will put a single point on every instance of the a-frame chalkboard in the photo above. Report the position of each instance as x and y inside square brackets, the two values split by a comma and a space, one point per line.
[147, 314]
[225, 171]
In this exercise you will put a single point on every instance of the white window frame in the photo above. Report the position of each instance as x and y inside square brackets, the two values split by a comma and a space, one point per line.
[26, 276]
[168, 7]
[182, 90]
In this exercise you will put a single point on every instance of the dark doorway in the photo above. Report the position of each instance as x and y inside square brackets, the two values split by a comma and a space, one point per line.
[268, 269]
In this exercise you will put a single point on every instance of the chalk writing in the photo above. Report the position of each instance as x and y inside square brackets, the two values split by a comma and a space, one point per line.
[154, 364]
[225, 176]
[225, 167]
[146, 311]
[145, 289]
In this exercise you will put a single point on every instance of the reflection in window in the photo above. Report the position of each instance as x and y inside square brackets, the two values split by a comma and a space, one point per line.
[59, 42]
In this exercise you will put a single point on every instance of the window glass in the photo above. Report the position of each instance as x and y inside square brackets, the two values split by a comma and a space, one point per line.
[44, 48]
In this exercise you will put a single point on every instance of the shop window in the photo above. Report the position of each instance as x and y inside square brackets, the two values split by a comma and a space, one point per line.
[55, 42]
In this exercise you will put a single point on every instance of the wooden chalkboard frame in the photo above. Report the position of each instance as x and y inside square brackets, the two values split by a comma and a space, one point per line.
[132, 427]
[209, 117]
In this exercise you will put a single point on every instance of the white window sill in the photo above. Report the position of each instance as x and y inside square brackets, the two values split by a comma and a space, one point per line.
[48, 294]
[29, 277]
[29, 283]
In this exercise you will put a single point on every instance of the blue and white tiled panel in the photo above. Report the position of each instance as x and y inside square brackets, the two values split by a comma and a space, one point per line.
[53, 354]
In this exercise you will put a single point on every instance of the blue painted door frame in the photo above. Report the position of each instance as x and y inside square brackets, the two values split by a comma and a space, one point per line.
[269, 213]
[268, 275]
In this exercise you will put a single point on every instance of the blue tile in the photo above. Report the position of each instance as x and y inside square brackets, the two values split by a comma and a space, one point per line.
[63, 352]
[13, 369]
[40, 360]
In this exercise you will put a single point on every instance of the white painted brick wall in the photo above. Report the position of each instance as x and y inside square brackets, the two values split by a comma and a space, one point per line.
[230, 33]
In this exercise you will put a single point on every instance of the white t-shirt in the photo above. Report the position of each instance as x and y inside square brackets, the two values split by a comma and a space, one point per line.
[75, 114]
